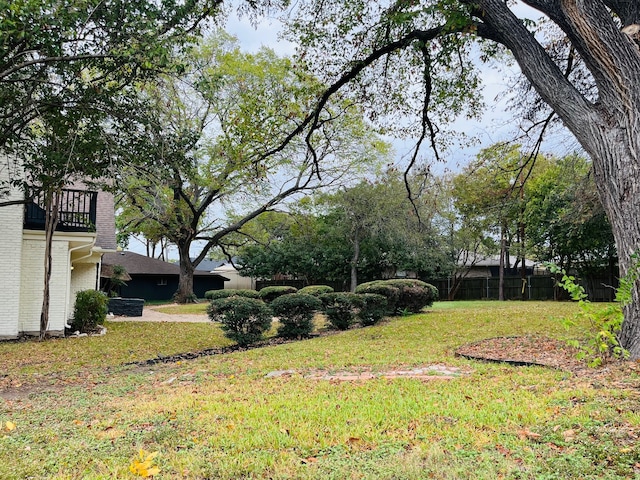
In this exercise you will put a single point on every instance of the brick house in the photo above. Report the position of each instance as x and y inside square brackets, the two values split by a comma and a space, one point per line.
[85, 231]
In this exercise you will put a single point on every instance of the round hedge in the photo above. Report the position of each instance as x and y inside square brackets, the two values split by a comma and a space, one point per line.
[402, 294]
[373, 308]
[316, 290]
[341, 308]
[231, 292]
[244, 320]
[269, 294]
[295, 312]
[89, 311]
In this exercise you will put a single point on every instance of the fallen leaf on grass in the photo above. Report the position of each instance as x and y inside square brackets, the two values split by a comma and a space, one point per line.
[143, 464]
[9, 426]
[528, 434]
[504, 451]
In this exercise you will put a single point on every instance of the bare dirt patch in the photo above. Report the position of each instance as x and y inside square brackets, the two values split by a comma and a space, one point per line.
[426, 372]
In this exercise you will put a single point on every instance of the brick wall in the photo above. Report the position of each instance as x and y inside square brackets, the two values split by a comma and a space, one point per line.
[83, 277]
[10, 255]
[32, 284]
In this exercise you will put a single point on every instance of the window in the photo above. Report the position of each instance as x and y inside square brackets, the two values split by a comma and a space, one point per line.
[162, 281]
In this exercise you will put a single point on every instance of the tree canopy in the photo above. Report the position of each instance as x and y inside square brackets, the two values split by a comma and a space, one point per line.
[206, 171]
[364, 232]
[415, 56]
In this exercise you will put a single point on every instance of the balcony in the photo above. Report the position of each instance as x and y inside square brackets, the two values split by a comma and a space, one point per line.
[77, 212]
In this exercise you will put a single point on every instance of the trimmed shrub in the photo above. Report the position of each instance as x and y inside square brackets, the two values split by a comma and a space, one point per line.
[379, 287]
[269, 294]
[316, 290]
[412, 295]
[372, 309]
[341, 308]
[89, 310]
[231, 292]
[244, 320]
[295, 312]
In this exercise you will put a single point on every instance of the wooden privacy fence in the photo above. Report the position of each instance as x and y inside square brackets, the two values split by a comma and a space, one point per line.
[535, 287]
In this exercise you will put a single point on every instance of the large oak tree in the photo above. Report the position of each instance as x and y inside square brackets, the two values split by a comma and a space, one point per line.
[205, 173]
[416, 56]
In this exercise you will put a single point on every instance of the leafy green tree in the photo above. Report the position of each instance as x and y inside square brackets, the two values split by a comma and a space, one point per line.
[369, 231]
[488, 195]
[416, 57]
[65, 76]
[60, 56]
[62, 147]
[209, 132]
[565, 220]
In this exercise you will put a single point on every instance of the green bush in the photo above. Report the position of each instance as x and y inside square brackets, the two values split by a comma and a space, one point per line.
[372, 309]
[341, 308]
[244, 320]
[316, 290]
[412, 295]
[231, 292]
[269, 294]
[295, 312]
[380, 287]
[89, 311]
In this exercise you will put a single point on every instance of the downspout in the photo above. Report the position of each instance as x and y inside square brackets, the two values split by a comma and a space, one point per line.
[71, 250]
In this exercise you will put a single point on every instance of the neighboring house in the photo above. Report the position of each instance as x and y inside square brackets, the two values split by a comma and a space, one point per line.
[86, 231]
[226, 269]
[489, 266]
[153, 279]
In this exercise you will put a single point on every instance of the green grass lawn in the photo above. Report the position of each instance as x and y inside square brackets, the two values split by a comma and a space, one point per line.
[223, 417]
[188, 309]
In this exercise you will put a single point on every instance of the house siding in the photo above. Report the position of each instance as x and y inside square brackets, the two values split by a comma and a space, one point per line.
[10, 267]
[32, 280]
[83, 277]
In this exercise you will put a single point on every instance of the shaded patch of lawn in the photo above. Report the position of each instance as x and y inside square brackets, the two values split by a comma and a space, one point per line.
[221, 417]
[30, 360]
[185, 309]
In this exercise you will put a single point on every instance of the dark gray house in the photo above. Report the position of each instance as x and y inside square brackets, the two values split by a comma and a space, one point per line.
[153, 279]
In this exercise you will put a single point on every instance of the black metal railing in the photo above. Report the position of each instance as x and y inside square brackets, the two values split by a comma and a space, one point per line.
[77, 211]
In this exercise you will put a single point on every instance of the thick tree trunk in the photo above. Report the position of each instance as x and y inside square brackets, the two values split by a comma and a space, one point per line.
[607, 129]
[617, 174]
[185, 294]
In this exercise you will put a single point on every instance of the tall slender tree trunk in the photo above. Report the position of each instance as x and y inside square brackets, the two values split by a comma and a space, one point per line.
[503, 252]
[521, 234]
[354, 262]
[51, 207]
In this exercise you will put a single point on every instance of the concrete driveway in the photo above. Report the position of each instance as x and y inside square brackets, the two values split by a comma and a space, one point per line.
[150, 314]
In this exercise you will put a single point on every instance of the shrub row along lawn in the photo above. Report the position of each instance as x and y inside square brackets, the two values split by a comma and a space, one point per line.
[226, 416]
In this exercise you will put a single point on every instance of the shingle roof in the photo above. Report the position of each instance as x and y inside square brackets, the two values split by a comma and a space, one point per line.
[136, 264]
[105, 221]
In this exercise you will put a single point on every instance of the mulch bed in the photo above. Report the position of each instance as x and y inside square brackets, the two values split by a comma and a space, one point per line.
[524, 350]
[556, 354]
